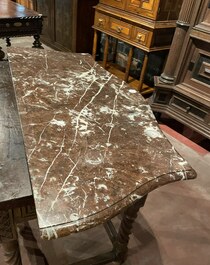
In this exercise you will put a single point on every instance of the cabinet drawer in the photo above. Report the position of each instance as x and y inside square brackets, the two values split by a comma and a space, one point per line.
[148, 8]
[198, 69]
[141, 36]
[188, 107]
[202, 69]
[101, 20]
[116, 3]
[120, 28]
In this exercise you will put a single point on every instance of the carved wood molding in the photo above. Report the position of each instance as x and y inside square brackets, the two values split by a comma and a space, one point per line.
[6, 225]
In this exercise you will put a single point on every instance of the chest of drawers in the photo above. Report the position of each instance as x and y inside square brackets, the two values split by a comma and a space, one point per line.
[147, 25]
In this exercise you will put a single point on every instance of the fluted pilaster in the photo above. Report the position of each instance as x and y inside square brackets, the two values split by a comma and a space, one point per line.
[183, 23]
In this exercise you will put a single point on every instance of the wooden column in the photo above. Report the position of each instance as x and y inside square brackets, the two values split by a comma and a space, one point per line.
[106, 50]
[95, 40]
[143, 72]
[183, 23]
[129, 61]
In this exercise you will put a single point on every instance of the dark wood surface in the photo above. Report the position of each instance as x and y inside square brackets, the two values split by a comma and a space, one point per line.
[183, 89]
[16, 20]
[68, 24]
[15, 185]
[9, 9]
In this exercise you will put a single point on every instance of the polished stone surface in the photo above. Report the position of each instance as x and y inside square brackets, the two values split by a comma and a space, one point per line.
[92, 143]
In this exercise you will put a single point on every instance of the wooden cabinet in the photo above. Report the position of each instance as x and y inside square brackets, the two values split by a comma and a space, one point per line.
[68, 24]
[183, 89]
[145, 8]
[148, 25]
[115, 3]
[27, 3]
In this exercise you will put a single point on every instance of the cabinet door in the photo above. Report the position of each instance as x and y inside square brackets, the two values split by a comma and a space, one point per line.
[198, 58]
[116, 3]
[169, 10]
[65, 23]
[46, 8]
[198, 72]
[147, 8]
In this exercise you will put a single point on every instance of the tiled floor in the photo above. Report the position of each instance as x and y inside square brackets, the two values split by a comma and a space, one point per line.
[172, 229]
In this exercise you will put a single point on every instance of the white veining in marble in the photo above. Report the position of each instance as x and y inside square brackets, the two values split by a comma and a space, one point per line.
[92, 143]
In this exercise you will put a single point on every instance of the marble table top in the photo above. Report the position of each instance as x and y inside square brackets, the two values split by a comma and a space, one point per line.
[92, 143]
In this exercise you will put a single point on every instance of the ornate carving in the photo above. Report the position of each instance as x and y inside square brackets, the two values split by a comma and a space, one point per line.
[168, 76]
[25, 213]
[8, 234]
[6, 225]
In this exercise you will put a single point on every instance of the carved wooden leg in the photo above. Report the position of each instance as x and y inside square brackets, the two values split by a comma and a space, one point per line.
[8, 42]
[143, 72]
[115, 50]
[106, 50]
[129, 216]
[95, 42]
[30, 243]
[129, 61]
[37, 43]
[2, 54]
[11, 252]
[8, 238]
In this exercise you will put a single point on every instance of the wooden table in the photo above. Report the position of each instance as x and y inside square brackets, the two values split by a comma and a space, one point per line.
[18, 21]
[93, 147]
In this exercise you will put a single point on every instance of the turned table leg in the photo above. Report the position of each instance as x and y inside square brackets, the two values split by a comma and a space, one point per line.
[106, 50]
[8, 41]
[37, 43]
[129, 61]
[8, 238]
[95, 41]
[2, 54]
[143, 71]
[27, 234]
[11, 252]
[129, 216]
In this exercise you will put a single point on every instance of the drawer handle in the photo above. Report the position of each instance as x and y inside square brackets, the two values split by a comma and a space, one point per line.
[207, 70]
[139, 37]
[100, 22]
[188, 108]
[119, 29]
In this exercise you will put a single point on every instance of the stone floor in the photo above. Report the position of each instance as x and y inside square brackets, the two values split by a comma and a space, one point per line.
[172, 229]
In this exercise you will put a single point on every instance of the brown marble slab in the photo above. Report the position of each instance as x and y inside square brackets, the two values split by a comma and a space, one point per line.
[93, 145]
